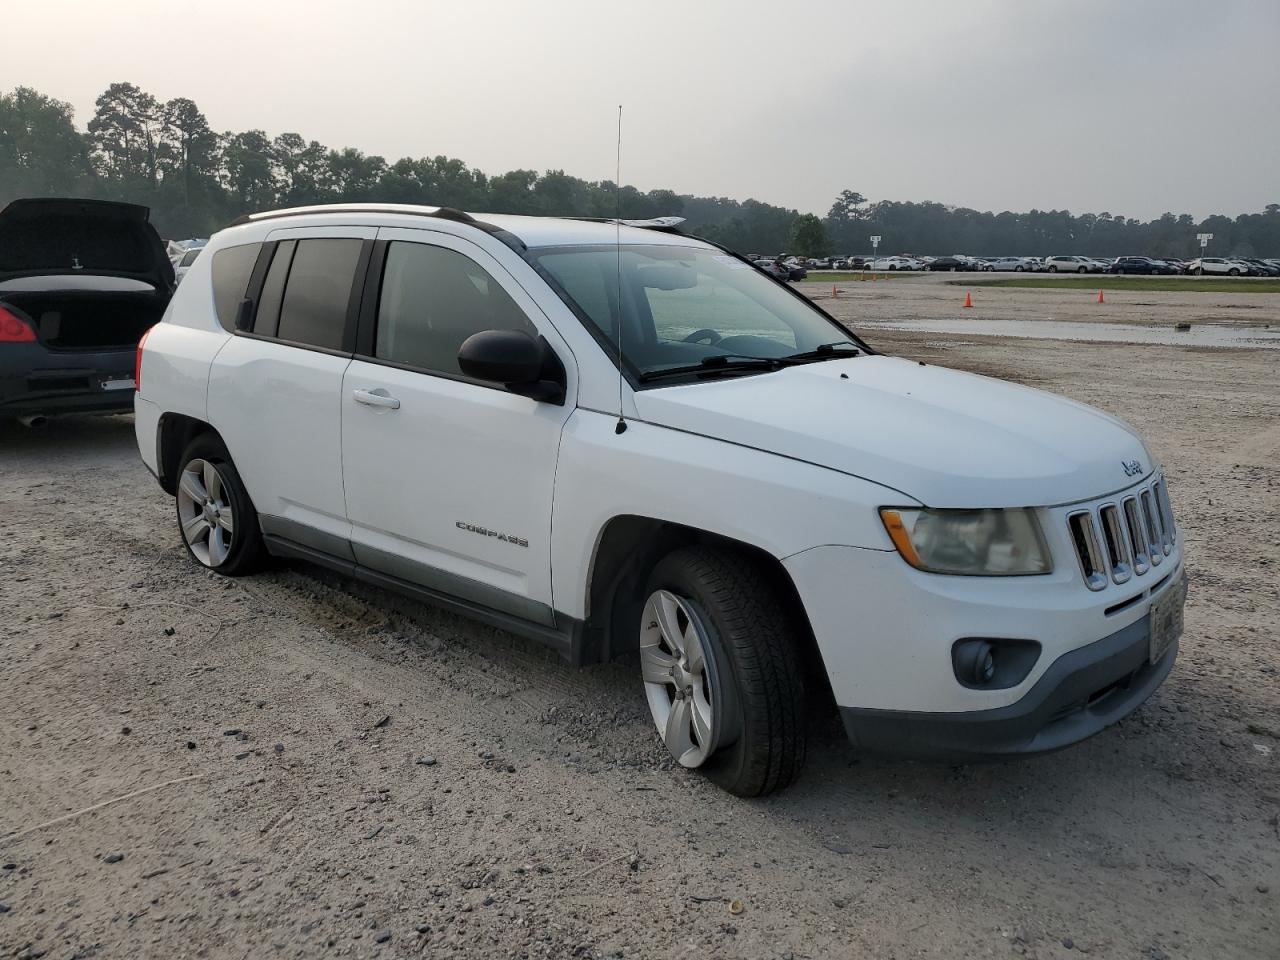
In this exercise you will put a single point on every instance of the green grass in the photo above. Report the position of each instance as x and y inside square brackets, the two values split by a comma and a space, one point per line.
[844, 276]
[1111, 282]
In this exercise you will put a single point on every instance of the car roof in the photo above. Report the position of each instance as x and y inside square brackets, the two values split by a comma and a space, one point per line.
[532, 231]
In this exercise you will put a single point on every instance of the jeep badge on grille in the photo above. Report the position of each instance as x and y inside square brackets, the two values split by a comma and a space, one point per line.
[1132, 468]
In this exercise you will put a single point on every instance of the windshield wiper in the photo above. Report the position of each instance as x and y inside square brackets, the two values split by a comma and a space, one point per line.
[719, 363]
[824, 351]
[733, 362]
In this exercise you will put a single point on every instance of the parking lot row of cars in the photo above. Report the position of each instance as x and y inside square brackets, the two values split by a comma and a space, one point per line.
[796, 268]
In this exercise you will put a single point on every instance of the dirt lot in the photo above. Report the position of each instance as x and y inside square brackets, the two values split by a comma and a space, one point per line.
[941, 295]
[342, 773]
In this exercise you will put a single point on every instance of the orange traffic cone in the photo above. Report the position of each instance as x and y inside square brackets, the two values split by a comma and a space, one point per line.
[1101, 298]
[833, 292]
[968, 300]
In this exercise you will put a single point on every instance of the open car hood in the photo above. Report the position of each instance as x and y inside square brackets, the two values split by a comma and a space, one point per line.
[943, 437]
[57, 236]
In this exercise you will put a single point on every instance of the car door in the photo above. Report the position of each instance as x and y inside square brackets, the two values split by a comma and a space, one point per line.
[448, 479]
[275, 388]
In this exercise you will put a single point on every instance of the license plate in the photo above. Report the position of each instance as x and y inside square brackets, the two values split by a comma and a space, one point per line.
[121, 383]
[1166, 618]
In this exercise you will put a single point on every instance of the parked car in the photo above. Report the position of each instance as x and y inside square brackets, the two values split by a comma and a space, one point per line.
[1262, 268]
[184, 263]
[351, 385]
[774, 269]
[1144, 265]
[949, 263]
[1016, 264]
[1217, 266]
[1066, 264]
[895, 263]
[80, 282]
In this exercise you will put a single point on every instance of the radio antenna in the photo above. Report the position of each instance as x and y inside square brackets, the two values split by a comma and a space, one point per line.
[617, 238]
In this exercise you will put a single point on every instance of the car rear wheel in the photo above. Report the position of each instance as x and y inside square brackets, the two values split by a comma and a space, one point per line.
[215, 515]
[1018, 269]
[720, 669]
[1053, 269]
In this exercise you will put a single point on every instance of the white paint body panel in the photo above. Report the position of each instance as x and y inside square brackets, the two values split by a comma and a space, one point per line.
[943, 437]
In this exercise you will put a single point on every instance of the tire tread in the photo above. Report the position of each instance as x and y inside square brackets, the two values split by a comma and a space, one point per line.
[759, 637]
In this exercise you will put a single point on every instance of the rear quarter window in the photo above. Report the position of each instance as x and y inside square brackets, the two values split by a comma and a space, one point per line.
[231, 269]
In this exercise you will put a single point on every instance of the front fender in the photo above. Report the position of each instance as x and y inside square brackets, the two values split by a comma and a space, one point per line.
[779, 505]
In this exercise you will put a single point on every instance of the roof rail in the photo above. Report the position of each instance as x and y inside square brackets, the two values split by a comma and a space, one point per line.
[437, 213]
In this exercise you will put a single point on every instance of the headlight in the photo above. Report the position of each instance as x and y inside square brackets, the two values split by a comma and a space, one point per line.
[975, 543]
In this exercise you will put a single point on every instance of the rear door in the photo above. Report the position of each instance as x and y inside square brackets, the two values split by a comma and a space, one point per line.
[448, 479]
[275, 390]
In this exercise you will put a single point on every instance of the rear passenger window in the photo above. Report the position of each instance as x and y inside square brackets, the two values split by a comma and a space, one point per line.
[313, 310]
[231, 269]
[432, 299]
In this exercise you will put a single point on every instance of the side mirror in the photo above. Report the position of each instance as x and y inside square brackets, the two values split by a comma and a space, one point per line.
[522, 364]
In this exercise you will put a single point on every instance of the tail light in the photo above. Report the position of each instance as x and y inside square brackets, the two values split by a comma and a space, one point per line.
[14, 329]
[137, 360]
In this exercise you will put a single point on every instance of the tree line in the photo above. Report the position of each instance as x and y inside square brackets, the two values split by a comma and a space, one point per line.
[164, 154]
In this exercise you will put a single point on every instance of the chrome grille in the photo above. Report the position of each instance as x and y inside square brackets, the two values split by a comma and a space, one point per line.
[1117, 540]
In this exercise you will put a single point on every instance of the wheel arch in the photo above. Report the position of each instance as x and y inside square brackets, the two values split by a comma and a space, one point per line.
[627, 549]
[174, 433]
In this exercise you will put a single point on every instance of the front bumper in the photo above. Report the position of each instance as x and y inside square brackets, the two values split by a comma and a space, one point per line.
[36, 380]
[1082, 693]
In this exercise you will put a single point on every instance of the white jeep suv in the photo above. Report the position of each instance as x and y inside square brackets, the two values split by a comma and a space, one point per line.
[621, 440]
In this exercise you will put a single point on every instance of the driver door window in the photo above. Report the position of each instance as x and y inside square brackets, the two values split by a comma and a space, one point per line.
[433, 299]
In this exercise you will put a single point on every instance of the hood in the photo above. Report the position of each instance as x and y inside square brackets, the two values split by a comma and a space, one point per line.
[56, 236]
[942, 437]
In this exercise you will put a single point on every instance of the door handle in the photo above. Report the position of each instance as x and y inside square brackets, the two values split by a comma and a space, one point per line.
[376, 398]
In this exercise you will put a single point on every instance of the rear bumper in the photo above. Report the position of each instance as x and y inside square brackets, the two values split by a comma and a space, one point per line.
[36, 380]
[1081, 693]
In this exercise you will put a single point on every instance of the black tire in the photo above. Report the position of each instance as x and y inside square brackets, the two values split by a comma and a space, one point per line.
[246, 553]
[1019, 268]
[758, 643]
[1053, 269]
[1233, 272]
[1082, 269]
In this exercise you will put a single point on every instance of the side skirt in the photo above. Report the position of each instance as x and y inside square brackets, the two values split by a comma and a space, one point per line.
[566, 640]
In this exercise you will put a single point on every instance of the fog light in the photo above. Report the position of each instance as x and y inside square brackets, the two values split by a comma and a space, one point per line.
[990, 664]
[975, 663]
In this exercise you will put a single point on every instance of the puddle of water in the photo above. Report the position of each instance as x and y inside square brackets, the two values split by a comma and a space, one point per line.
[1200, 335]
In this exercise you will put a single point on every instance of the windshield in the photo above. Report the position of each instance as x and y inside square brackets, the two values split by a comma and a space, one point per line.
[684, 304]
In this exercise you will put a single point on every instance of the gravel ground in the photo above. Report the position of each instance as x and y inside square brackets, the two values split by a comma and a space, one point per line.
[332, 771]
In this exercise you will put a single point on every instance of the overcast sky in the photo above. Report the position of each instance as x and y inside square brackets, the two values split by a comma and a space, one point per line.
[1133, 107]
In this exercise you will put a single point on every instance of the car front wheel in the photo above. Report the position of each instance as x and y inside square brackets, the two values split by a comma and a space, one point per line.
[1233, 272]
[719, 662]
[215, 515]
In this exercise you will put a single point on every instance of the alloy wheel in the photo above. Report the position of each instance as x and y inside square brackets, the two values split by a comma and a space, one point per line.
[205, 512]
[674, 651]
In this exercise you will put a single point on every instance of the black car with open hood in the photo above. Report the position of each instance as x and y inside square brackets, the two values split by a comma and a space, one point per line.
[80, 282]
